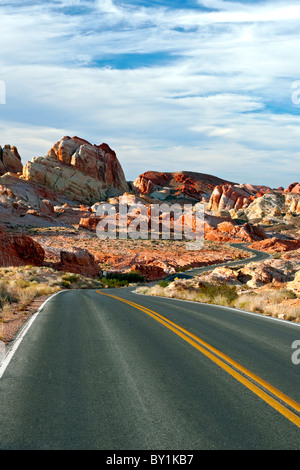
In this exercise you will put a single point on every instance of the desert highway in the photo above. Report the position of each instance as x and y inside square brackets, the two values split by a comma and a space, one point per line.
[256, 256]
[115, 370]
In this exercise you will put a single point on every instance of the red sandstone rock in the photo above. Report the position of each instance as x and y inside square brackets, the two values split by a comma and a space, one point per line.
[276, 245]
[19, 250]
[10, 160]
[79, 261]
[227, 197]
[90, 222]
[46, 207]
[228, 231]
[293, 188]
[185, 183]
[149, 271]
[98, 161]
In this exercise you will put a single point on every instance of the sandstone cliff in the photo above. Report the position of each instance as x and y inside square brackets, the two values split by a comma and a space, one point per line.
[79, 170]
[234, 197]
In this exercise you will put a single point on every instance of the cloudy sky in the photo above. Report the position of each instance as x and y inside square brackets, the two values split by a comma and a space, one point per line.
[199, 85]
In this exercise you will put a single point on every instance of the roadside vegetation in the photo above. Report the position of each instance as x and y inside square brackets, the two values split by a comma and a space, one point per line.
[19, 286]
[122, 279]
[23, 289]
[276, 302]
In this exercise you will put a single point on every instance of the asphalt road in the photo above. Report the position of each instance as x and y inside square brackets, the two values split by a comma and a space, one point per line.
[114, 370]
[256, 256]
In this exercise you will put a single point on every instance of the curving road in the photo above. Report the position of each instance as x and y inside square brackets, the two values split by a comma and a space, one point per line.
[114, 370]
[256, 256]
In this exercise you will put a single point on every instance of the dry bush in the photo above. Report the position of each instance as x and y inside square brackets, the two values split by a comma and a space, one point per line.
[20, 286]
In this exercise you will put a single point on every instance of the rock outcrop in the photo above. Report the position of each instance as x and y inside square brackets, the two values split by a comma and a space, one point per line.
[149, 271]
[276, 245]
[272, 207]
[229, 197]
[293, 188]
[176, 185]
[253, 274]
[19, 250]
[228, 231]
[81, 171]
[294, 285]
[78, 261]
[10, 160]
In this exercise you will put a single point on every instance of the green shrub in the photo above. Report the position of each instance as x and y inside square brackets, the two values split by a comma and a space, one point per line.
[163, 283]
[71, 277]
[66, 284]
[122, 279]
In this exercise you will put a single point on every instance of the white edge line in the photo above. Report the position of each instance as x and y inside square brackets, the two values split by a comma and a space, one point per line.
[17, 341]
[260, 315]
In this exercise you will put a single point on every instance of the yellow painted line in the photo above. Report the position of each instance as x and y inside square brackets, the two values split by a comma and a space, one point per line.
[231, 361]
[195, 340]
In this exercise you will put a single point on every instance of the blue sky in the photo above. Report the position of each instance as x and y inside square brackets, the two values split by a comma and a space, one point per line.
[199, 85]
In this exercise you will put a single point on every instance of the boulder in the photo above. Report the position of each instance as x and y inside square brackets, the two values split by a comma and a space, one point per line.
[228, 231]
[149, 271]
[20, 250]
[293, 188]
[97, 161]
[294, 285]
[80, 171]
[79, 261]
[10, 160]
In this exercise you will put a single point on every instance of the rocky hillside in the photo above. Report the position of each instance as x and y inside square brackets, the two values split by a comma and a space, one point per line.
[234, 197]
[60, 192]
[177, 185]
[272, 207]
[255, 204]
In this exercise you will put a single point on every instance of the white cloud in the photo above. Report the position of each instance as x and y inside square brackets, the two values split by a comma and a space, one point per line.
[219, 102]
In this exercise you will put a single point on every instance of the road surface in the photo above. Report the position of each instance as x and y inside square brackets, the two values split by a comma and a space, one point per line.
[114, 370]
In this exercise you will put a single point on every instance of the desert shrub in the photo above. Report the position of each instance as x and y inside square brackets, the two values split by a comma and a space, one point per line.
[114, 282]
[122, 279]
[182, 269]
[163, 283]
[6, 295]
[71, 278]
[66, 284]
[221, 294]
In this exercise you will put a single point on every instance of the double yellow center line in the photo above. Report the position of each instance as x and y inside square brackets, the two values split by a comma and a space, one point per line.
[253, 382]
